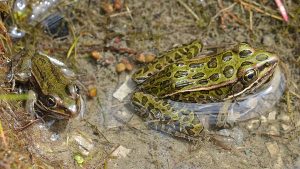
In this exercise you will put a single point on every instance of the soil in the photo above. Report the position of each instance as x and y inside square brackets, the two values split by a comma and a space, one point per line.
[110, 134]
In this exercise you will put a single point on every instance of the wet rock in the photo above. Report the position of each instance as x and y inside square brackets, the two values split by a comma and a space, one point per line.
[274, 131]
[232, 136]
[284, 118]
[272, 115]
[263, 119]
[121, 152]
[273, 149]
[285, 127]
[123, 90]
[85, 145]
[253, 124]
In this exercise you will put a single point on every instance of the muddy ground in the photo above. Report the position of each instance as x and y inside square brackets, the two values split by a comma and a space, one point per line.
[110, 135]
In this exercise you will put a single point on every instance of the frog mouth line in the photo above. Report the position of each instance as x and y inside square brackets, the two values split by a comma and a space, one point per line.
[59, 113]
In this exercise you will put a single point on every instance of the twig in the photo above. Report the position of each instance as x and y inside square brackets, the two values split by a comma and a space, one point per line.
[258, 9]
[282, 10]
[295, 94]
[251, 20]
[223, 10]
[188, 9]
[120, 14]
[2, 135]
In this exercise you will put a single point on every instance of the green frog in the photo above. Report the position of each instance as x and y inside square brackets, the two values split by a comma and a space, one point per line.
[52, 86]
[179, 75]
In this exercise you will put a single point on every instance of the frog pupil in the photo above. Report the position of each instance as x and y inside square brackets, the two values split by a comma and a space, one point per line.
[51, 101]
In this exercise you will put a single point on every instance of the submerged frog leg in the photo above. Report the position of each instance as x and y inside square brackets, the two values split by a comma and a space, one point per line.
[30, 102]
[184, 52]
[161, 116]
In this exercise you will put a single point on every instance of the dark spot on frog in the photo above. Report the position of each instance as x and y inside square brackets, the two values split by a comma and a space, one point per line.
[189, 55]
[196, 65]
[203, 81]
[212, 63]
[179, 74]
[146, 69]
[181, 84]
[201, 97]
[246, 63]
[150, 107]
[189, 129]
[214, 77]
[227, 56]
[167, 118]
[158, 66]
[177, 56]
[245, 53]
[238, 87]
[144, 100]
[169, 74]
[198, 75]
[261, 57]
[219, 92]
[228, 71]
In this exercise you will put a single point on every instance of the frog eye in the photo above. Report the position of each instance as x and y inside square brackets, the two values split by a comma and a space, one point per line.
[250, 75]
[51, 102]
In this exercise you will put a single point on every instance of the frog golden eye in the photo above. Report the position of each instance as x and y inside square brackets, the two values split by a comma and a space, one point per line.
[51, 102]
[250, 75]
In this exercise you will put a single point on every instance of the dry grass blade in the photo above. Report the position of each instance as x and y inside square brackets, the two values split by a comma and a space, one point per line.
[188, 9]
[259, 8]
[2, 135]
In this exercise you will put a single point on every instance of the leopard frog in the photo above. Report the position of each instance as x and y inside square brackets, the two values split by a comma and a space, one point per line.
[51, 84]
[178, 75]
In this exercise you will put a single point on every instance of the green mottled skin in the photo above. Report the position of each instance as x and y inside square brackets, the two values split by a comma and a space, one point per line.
[200, 80]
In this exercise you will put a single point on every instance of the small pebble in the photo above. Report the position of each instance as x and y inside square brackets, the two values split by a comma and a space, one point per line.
[272, 148]
[92, 92]
[253, 124]
[272, 115]
[273, 131]
[141, 58]
[285, 118]
[149, 58]
[263, 119]
[129, 66]
[120, 67]
[118, 5]
[107, 7]
[96, 55]
[285, 127]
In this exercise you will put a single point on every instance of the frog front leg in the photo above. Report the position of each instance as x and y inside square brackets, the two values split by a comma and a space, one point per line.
[161, 116]
[30, 102]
